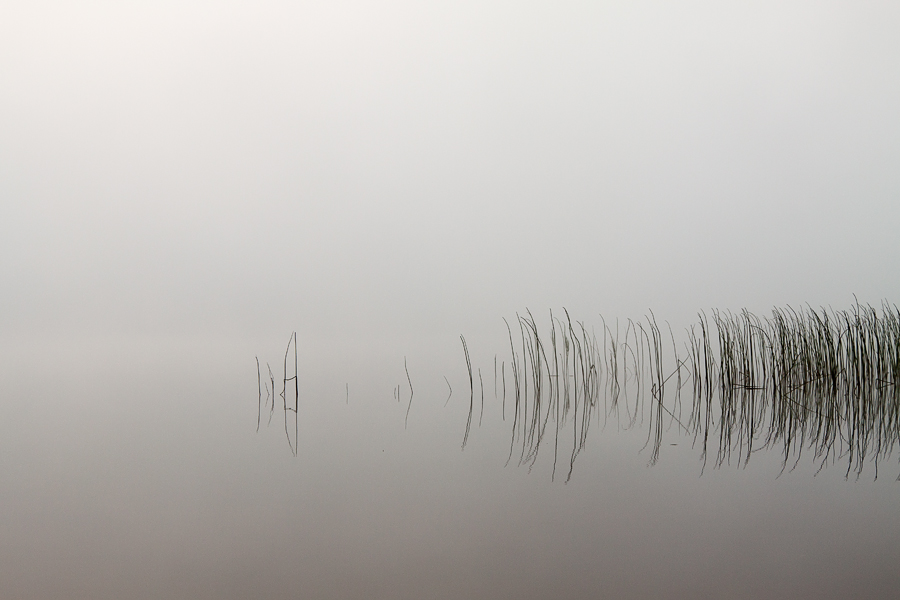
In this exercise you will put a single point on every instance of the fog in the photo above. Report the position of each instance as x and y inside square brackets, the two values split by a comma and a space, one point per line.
[184, 184]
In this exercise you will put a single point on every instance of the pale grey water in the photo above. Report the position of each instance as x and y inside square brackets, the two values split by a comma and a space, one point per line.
[183, 185]
[161, 488]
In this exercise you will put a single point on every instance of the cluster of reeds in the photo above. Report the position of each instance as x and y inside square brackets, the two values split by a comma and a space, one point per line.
[290, 408]
[556, 383]
[823, 380]
[800, 379]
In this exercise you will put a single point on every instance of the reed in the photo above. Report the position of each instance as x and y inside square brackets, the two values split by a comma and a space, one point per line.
[449, 387]
[296, 406]
[259, 401]
[409, 406]
[471, 392]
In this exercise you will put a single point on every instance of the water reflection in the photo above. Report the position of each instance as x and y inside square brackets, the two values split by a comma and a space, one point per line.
[819, 381]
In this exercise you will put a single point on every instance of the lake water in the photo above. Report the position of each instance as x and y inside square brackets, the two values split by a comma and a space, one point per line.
[133, 468]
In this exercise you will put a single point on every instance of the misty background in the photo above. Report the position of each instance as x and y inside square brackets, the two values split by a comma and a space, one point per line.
[236, 167]
[182, 185]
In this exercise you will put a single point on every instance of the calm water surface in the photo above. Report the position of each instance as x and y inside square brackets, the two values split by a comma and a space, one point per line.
[159, 486]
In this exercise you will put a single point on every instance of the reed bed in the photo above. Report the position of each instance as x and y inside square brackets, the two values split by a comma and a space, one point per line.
[798, 380]
[801, 379]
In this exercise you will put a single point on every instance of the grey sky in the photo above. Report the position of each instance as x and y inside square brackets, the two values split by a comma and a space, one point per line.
[181, 166]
